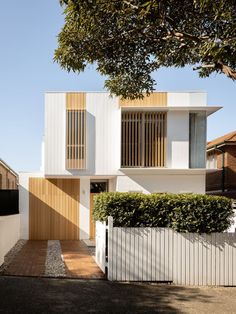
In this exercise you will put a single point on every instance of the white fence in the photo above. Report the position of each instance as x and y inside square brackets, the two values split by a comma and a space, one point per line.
[9, 233]
[101, 245]
[160, 254]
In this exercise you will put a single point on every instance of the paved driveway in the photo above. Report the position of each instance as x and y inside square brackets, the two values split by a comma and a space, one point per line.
[47, 295]
[71, 259]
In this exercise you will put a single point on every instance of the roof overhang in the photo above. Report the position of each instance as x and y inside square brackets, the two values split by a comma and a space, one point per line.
[208, 109]
[162, 171]
[5, 165]
[221, 144]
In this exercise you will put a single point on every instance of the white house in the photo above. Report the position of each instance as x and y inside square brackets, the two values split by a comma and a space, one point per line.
[94, 142]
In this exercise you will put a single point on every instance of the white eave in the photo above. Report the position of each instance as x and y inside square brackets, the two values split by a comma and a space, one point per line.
[162, 171]
[208, 109]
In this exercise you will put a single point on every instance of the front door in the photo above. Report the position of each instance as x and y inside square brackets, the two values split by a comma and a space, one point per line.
[96, 187]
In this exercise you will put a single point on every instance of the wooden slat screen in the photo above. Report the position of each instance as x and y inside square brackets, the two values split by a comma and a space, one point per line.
[143, 139]
[75, 139]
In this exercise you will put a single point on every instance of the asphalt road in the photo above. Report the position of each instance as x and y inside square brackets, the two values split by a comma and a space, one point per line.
[43, 295]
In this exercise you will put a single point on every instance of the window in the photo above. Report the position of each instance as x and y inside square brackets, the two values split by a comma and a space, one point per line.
[143, 139]
[197, 140]
[0, 181]
[98, 187]
[75, 139]
[211, 161]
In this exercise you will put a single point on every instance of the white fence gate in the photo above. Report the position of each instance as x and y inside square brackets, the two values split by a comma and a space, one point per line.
[160, 254]
[101, 245]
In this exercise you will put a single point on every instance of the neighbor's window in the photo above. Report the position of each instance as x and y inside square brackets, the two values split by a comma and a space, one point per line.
[143, 139]
[211, 161]
[75, 139]
[197, 140]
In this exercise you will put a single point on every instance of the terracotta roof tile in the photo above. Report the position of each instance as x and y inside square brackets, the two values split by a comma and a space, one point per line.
[229, 137]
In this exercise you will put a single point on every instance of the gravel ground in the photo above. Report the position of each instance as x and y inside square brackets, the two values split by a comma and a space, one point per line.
[11, 254]
[54, 265]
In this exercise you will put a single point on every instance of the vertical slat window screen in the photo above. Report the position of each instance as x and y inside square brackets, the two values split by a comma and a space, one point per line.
[75, 139]
[143, 139]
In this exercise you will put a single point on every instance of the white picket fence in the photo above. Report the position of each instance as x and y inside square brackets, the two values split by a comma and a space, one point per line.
[160, 254]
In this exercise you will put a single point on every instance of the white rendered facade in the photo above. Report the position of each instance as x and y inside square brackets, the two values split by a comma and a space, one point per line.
[103, 150]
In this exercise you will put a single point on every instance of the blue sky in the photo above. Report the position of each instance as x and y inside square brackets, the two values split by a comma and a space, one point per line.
[28, 31]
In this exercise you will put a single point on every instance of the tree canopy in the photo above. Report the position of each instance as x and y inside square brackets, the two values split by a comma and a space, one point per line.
[129, 39]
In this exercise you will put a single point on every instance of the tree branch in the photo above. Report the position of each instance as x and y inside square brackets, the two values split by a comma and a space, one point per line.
[228, 71]
[131, 5]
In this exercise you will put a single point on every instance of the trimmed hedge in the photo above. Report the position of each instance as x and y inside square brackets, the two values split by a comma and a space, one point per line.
[181, 212]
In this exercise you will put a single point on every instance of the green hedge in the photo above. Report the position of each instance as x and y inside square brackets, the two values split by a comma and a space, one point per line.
[181, 212]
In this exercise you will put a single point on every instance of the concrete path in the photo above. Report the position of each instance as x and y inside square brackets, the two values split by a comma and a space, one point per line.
[78, 261]
[47, 295]
[31, 260]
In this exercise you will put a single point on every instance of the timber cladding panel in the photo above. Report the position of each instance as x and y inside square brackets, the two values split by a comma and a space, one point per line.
[156, 99]
[75, 101]
[54, 209]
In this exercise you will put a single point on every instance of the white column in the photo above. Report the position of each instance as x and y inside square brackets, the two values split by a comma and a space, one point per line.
[178, 140]
[84, 210]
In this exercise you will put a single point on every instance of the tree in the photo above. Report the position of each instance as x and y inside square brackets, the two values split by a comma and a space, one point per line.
[129, 39]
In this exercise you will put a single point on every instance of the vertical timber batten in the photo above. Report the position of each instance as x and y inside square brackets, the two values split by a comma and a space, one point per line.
[54, 209]
[75, 130]
[143, 139]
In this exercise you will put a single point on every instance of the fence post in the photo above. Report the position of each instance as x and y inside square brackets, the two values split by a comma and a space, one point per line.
[101, 245]
[109, 248]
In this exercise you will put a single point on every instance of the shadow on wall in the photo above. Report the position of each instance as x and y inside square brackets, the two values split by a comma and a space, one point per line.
[61, 187]
[162, 183]
[214, 180]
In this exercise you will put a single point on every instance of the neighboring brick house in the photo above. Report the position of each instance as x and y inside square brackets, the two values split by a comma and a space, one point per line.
[8, 177]
[221, 165]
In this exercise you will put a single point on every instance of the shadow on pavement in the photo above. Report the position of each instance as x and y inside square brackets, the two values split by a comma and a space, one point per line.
[43, 295]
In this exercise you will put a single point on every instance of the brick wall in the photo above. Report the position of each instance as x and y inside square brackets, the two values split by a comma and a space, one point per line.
[230, 164]
[214, 179]
[7, 179]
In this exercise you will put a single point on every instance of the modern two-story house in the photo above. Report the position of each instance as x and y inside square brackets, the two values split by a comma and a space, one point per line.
[94, 142]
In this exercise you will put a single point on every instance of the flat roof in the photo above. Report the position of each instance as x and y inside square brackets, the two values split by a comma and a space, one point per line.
[107, 92]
